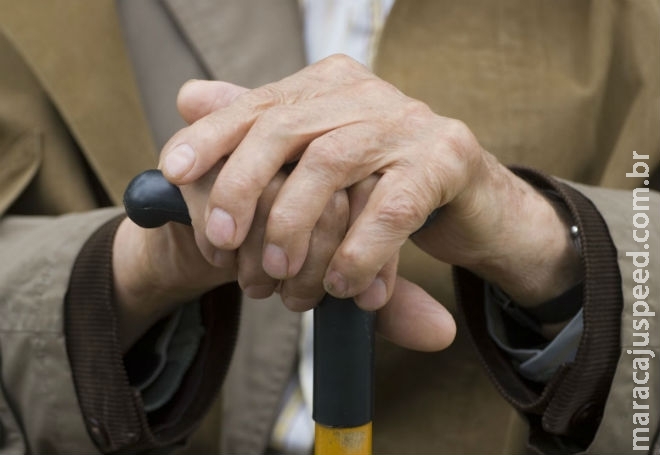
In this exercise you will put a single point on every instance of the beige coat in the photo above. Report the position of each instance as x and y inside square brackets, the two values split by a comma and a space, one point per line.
[570, 90]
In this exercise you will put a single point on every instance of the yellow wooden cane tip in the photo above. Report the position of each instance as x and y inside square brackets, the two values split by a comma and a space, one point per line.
[342, 441]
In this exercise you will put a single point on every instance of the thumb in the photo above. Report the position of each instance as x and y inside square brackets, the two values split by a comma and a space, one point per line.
[415, 320]
[199, 98]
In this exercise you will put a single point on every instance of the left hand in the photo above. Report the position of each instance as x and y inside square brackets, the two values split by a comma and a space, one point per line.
[343, 124]
[412, 318]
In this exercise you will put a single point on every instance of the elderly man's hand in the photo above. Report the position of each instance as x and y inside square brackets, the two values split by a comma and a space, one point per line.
[155, 270]
[342, 124]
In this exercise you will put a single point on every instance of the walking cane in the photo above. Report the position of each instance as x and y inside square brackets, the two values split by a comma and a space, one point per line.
[343, 336]
[343, 377]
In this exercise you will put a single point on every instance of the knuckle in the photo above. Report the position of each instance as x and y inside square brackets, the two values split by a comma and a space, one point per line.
[463, 148]
[375, 86]
[329, 157]
[415, 108]
[400, 213]
[279, 120]
[183, 97]
[285, 222]
[338, 205]
[323, 148]
[415, 114]
[371, 85]
[459, 136]
[339, 62]
[319, 169]
[321, 161]
[238, 181]
[207, 129]
[352, 258]
[262, 97]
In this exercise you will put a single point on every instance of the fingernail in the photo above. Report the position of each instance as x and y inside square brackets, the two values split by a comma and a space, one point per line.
[374, 297]
[259, 291]
[179, 161]
[220, 227]
[335, 284]
[275, 262]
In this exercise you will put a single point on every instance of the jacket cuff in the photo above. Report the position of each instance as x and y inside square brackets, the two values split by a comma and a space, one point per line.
[571, 403]
[112, 409]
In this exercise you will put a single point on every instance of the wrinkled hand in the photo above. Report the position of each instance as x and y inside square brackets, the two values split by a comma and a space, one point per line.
[155, 270]
[158, 269]
[343, 124]
[412, 318]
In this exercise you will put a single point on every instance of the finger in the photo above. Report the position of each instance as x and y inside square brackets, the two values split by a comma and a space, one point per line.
[304, 291]
[181, 259]
[268, 144]
[193, 150]
[217, 258]
[272, 124]
[196, 196]
[198, 98]
[252, 278]
[278, 136]
[380, 290]
[415, 320]
[331, 162]
[396, 207]
[358, 195]
[232, 201]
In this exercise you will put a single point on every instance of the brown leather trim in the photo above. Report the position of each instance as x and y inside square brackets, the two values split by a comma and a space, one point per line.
[111, 408]
[571, 404]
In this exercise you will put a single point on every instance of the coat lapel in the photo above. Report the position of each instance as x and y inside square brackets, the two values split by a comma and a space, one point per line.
[84, 68]
[247, 42]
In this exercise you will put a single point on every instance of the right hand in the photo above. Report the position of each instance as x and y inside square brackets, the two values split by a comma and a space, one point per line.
[158, 269]
[155, 270]
[342, 124]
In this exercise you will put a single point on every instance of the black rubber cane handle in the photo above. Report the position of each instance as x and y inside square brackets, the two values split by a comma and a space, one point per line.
[151, 201]
[343, 333]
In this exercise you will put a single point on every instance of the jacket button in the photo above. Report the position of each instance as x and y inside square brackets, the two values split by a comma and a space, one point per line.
[585, 413]
[585, 421]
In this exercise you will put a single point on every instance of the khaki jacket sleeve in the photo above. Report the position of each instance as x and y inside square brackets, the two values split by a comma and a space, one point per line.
[39, 410]
[111, 406]
[631, 419]
[64, 388]
[603, 401]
